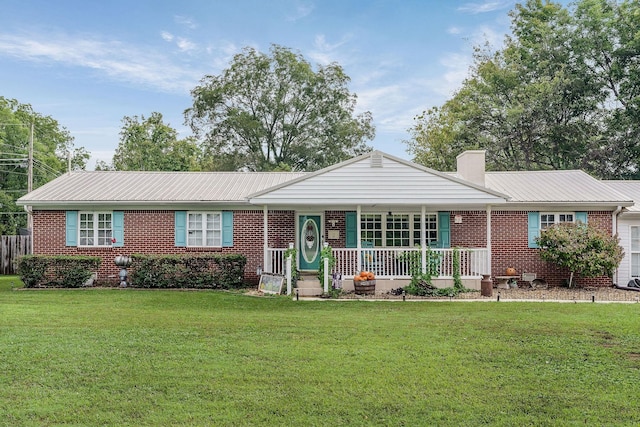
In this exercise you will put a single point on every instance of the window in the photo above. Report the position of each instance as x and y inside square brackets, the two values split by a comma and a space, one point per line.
[95, 229]
[635, 251]
[204, 229]
[397, 230]
[431, 226]
[549, 219]
[371, 229]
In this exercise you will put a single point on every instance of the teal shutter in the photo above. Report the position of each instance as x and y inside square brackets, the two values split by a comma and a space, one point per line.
[351, 232]
[533, 229]
[227, 228]
[581, 217]
[444, 230]
[118, 228]
[71, 228]
[181, 228]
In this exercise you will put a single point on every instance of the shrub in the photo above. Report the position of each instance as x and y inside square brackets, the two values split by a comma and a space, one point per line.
[209, 271]
[581, 248]
[58, 271]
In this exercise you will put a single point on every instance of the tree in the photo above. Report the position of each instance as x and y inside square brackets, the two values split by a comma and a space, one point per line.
[561, 94]
[51, 143]
[274, 111]
[581, 248]
[148, 144]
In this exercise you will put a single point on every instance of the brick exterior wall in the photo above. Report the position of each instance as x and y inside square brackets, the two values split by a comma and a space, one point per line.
[152, 232]
[471, 232]
[509, 244]
[335, 221]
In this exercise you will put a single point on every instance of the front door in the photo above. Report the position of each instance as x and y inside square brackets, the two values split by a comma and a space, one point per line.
[309, 241]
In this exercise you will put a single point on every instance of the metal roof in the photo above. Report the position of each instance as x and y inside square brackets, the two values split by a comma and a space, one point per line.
[150, 187]
[631, 189]
[568, 186]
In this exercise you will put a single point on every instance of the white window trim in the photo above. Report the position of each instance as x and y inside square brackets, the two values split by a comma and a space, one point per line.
[383, 218]
[631, 251]
[556, 218]
[204, 237]
[96, 230]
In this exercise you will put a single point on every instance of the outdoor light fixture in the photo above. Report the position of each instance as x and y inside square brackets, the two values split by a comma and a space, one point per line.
[259, 270]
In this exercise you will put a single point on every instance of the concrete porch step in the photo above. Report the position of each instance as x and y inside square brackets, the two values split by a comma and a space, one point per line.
[308, 285]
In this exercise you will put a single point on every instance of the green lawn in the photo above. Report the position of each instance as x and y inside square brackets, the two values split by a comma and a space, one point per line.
[131, 357]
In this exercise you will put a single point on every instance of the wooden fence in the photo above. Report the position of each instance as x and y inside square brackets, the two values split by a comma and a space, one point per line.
[11, 247]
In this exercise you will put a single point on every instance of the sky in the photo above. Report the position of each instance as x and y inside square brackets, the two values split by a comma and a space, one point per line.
[90, 63]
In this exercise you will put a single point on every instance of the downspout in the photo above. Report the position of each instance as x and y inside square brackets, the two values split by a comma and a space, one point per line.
[614, 231]
[29, 226]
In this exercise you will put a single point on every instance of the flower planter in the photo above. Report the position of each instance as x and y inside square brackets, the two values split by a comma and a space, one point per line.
[365, 287]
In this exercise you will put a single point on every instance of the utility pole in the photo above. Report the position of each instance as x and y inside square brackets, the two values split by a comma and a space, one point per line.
[30, 188]
[30, 165]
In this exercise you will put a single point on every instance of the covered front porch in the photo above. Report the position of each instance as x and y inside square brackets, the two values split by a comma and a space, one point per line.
[393, 266]
[386, 215]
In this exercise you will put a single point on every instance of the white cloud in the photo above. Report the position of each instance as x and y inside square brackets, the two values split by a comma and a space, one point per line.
[166, 36]
[485, 34]
[487, 6]
[454, 30]
[186, 21]
[301, 10]
[457, 66]
[185, 45]
[116, 60]
[325, 53]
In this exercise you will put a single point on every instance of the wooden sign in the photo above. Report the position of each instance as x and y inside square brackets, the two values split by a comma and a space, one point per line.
[271, 283]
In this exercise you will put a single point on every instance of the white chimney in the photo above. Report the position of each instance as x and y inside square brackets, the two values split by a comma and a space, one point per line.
[470, 166]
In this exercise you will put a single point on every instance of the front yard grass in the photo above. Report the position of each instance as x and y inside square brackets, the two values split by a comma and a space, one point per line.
[131, 357]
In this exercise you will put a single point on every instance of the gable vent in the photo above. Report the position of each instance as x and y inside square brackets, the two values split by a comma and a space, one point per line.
[376, 160]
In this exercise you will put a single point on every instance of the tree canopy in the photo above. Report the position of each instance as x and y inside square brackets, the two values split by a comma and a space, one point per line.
[563, 93]
[275, 112]
[51, 145]
[148, 144]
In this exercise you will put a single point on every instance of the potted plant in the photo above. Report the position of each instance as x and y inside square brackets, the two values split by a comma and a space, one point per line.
[364, 283]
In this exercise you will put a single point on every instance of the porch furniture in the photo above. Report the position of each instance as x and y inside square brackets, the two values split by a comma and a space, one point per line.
[505, 281]
[369, 258]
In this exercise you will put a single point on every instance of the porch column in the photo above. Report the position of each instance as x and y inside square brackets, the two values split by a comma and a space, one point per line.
[265, 240]
[488, 240]
[423, 238]
[358, 243]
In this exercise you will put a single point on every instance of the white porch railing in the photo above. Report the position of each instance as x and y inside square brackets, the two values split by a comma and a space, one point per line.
[275, 261]
[395, 263]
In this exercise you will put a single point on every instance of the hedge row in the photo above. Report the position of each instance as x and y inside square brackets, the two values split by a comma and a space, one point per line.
[209, 271]
[214, 271]
[56, 271]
